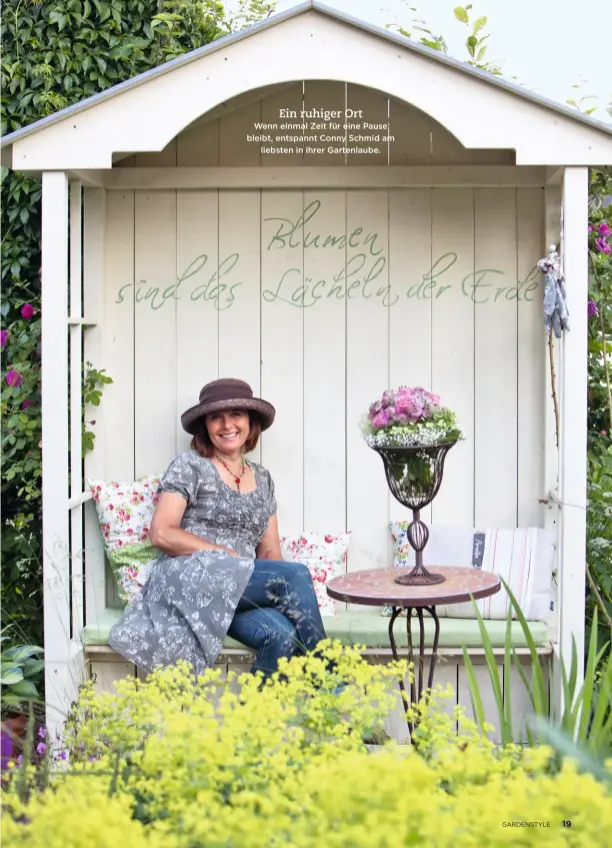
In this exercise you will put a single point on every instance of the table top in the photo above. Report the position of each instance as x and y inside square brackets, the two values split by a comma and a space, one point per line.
[377, 587]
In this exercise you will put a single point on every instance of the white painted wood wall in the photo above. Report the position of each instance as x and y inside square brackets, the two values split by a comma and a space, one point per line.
[321, 364]
[481, 347]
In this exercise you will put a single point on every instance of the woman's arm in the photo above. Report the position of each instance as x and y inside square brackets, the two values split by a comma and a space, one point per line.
[269, 546]
[166, 533]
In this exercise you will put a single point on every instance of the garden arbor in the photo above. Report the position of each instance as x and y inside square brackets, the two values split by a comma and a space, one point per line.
[324, 209]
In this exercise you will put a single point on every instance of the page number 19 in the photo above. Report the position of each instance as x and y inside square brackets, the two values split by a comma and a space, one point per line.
[567, 823]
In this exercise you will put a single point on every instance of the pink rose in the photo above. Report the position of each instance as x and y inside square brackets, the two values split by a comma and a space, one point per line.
[27, 311]
[14, 379]
[604, 229]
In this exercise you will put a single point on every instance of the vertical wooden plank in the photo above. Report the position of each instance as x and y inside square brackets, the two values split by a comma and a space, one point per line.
[282, 351]
[445, 676]
[531, 344]
[234, 149]
[410, 315]
[452, 334]
[240, 303]
[483, 681]
[154, 332]
[495, 358]
[374, 107]
[411, 129]
[76, 453]
[119, 350]
[324, 299]
[324, 95]
[447, 149]
[521, 709]
[198, 299]
[106, 674]
[198, 146]
[165, 158]
[56, 552]
[574, 415]
[290, 99]
[368, 303]
[94, 307]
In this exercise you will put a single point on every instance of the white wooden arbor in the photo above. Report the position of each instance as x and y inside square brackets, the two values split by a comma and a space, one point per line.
[145, 179]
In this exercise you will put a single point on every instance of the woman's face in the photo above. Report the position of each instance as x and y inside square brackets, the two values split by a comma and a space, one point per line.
[228, 430]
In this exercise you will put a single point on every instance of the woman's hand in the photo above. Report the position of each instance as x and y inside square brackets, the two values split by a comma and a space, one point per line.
[269, 545]
[166, 533]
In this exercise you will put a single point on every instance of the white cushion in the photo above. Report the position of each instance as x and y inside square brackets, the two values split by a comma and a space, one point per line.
[524, 557]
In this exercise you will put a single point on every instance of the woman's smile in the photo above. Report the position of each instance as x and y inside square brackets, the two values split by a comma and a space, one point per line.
[228, 431]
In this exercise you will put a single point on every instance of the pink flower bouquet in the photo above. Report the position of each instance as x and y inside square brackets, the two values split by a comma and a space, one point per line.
[406, 417]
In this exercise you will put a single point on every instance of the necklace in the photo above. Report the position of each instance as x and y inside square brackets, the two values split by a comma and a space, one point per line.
[229, 470]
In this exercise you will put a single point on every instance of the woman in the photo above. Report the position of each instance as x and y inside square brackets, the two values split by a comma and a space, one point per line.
[221, 568]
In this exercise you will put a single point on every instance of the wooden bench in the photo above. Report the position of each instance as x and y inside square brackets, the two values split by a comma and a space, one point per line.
[370, 630]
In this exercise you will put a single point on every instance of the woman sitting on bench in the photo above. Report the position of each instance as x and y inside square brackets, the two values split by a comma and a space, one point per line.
[221, 570]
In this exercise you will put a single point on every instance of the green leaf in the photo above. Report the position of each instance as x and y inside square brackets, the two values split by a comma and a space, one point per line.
[33, 667]
[475, 697]
[479, 24]
[471, 44]
[21, 653]
[461, 14]
[10, 674]
[25, 689]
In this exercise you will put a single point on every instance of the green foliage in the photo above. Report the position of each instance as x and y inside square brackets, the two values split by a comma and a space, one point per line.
[184, 763]
[585, 724]
[599, 488]
[92, 378]
[20, 671]
[55, 54]
[475, 43]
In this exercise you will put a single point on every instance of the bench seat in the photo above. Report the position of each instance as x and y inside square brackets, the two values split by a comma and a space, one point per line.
[370, 629]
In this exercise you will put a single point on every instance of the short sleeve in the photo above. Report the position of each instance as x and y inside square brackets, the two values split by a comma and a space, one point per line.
[271, 495]
[182, 478]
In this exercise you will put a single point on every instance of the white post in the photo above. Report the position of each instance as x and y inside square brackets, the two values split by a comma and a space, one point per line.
[94, 217]
[76, 366]
[574, 416]
[56, 552]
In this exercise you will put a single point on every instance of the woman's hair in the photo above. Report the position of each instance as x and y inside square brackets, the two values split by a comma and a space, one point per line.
[201, 441]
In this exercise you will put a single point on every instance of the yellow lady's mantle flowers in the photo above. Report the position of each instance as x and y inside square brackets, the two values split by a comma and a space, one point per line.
[215, 763]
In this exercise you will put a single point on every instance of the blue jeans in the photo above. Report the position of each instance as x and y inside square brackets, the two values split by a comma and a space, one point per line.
[278, 614]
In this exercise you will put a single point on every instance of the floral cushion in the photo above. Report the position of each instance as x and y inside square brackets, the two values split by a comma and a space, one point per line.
[323, 555]
[125, 511]
[523, 556]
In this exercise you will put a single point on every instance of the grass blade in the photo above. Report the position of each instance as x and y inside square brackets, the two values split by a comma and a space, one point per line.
[475, 698]
[494, 676]
[540, 694]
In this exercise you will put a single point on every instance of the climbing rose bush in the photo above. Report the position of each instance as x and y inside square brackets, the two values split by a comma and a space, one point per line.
[185, 763]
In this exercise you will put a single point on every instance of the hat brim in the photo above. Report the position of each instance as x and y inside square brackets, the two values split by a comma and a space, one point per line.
[265, 410]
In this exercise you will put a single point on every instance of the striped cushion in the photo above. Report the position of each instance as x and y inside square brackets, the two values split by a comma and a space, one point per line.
[523, 557]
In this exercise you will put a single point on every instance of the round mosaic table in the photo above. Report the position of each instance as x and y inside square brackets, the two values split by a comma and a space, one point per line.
[377, 587]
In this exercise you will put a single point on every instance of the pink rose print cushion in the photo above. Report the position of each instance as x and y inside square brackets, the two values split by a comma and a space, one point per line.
[325, 557]
[125, 511]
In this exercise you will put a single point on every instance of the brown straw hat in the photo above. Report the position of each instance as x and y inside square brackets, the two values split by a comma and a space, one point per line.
[227, 394]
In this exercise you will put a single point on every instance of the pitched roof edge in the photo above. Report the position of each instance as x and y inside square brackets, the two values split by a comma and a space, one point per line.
[293, 12]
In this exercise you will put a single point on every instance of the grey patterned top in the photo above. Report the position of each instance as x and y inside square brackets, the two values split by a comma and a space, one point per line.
[187, 605]
[215, 511]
